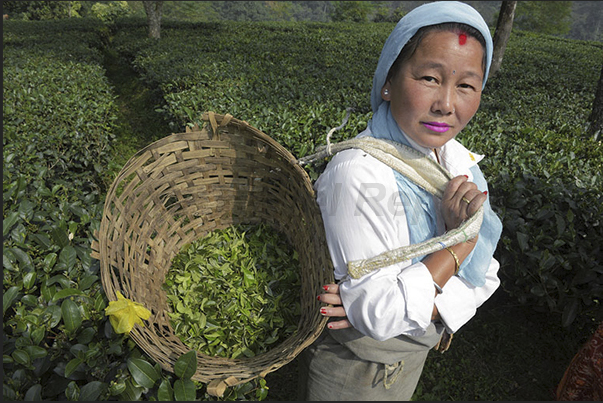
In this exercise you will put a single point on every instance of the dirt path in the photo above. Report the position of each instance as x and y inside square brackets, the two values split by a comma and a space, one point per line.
[138, 123]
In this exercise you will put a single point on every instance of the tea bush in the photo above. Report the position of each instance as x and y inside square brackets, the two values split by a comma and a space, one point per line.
[58, 120]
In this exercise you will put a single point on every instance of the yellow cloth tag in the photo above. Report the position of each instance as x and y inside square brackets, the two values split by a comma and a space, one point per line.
[124, 313]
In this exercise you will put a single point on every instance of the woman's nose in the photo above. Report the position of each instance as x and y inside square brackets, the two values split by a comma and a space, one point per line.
[444, 102]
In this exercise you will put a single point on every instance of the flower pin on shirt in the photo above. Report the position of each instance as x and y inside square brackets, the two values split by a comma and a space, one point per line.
[124, 314]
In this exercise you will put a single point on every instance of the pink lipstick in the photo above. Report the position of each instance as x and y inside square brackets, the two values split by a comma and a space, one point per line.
[436, 126]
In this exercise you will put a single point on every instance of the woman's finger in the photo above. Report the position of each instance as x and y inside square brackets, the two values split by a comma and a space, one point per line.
[476, 199]
[331, 288]
[336, 311]
[332, 299]
[453, 186]
[331, 295]
[339, 324]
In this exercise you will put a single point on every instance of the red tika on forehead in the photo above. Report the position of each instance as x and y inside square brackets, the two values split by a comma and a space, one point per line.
[462, 39]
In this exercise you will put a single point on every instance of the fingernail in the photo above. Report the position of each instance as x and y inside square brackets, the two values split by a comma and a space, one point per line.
[330, 326]
[318, 298]
[325, 287]
[466, 176]
[323, 311]
[486, 193]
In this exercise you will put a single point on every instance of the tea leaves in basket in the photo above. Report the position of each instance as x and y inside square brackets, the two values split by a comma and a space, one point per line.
[234, 292]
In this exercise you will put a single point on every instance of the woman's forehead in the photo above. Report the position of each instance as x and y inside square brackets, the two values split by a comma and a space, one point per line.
[440, 48]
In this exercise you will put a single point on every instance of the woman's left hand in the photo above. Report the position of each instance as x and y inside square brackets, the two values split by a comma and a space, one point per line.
[332, 297]
[461, 200]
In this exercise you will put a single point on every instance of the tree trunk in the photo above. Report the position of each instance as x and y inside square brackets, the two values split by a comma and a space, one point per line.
[502, 34]
[596, 116]
[153, 10]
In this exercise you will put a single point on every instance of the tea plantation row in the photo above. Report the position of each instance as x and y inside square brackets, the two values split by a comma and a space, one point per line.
[294, 82]
[59, 119]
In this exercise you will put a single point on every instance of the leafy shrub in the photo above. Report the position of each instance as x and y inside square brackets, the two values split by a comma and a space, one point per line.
[108, 12]
[78, 40]
[41, 10]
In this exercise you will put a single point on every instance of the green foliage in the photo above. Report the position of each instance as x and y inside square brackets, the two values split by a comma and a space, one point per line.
[545, 17]
[350, 11]
[545, 173]
[41, 10]
[234, 292]
[57, 123]
[261, 81]
[190, 10]
[109, 11]
[383, 13]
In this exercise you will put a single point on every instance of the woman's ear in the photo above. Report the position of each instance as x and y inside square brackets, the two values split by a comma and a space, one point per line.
[386, 92]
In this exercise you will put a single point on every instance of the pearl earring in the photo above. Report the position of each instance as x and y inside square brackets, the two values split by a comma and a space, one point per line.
[385, 92]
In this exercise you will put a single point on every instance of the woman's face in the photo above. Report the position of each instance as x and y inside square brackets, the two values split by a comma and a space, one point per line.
[438, 90]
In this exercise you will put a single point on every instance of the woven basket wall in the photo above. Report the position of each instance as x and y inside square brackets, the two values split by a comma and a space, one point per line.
[183, 186]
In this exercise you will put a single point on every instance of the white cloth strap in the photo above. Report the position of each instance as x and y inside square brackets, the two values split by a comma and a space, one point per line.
[422, 171]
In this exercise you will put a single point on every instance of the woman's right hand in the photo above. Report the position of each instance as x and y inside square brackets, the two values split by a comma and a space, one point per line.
[460, 201]
[332, 297]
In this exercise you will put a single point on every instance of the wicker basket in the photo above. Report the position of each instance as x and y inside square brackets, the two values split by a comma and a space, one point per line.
[183, 186]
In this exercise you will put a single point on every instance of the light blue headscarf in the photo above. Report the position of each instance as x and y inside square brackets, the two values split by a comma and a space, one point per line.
[418, 203]
[422, 16]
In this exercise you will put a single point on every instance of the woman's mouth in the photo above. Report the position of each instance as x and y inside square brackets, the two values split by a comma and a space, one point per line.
[436, 126]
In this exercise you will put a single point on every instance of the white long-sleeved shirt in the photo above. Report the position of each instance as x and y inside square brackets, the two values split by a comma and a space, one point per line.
[363, 217]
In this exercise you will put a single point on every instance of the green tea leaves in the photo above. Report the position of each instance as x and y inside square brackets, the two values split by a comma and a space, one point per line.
[235, 292]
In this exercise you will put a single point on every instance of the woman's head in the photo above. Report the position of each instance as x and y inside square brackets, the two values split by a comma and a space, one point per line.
[434, 89]
[429, 14]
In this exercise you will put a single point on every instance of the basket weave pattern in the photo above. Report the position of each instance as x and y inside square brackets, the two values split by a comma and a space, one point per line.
[183, 186]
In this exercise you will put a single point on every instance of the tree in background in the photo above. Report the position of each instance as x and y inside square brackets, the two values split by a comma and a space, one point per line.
[153, 10]
[109, 11]
[504, 25]
[350, 11]
[388, 11]
[282, 10]
[596, 116]
[242, 10]
[545, 17]
[41, 10]
[587, 23]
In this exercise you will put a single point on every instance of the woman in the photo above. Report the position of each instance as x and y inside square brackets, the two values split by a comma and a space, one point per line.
[426, 88]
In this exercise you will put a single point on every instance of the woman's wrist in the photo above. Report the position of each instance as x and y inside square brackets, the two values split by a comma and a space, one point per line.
[445, 263]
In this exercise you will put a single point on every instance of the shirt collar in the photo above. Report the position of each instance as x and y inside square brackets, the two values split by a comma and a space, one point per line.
[453, 156]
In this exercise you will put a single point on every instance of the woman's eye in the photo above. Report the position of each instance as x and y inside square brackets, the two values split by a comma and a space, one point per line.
[430, 79]
[467, 86]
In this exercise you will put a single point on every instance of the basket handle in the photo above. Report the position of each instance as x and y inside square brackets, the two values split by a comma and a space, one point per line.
[211, 116]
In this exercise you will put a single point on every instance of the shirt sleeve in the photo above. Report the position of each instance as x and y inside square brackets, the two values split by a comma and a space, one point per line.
[460, 300]
[363, 217]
